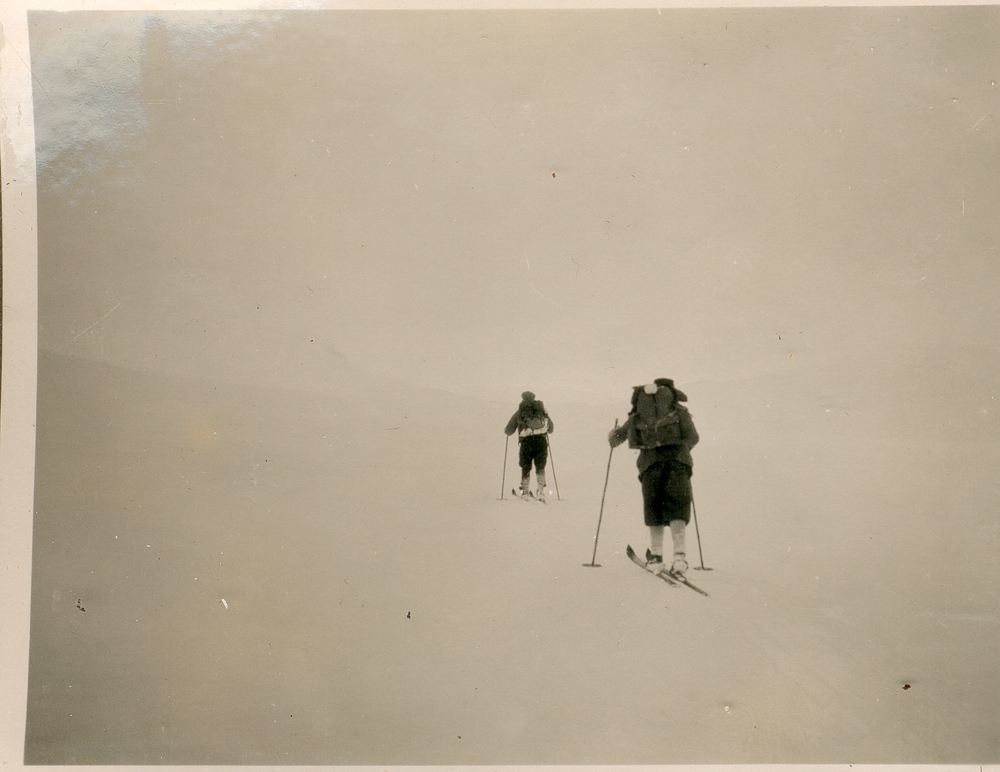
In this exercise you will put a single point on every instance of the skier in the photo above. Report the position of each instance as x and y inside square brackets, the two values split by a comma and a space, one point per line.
[662, 429]
[533, 425]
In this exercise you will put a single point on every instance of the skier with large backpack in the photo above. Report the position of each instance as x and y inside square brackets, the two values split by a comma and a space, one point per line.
[663, 432]
[533, 425]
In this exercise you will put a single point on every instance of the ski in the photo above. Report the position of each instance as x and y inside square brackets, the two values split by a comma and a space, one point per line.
[668, 576]
[531, 496]
[683, 580]
[642, 564]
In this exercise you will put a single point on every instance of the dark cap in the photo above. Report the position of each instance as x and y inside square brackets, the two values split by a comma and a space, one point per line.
[678, 394]
[528, 396]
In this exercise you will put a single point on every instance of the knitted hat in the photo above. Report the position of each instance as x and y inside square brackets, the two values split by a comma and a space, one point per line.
[528, 396]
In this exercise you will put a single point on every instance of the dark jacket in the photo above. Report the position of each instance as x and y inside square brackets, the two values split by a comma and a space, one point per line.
[649, 456]
[517, 422]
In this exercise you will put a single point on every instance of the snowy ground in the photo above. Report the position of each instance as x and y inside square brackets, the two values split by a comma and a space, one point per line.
[230, 575]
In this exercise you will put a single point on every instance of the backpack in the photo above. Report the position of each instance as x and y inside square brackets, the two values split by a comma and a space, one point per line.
[654, 424]
[534, 419]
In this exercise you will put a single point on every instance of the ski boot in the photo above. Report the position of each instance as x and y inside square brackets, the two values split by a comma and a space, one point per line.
[540, 495]
[654, 563]
[680, 565]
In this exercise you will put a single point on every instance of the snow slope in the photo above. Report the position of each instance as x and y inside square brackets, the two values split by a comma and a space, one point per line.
[226, 574]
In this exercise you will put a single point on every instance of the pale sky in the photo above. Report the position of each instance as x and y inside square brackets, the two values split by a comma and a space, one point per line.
[487, 202]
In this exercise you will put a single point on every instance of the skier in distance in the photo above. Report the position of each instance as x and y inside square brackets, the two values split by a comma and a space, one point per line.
[533, 425]
[663, 432]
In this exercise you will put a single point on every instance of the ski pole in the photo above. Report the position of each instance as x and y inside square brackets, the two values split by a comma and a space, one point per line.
[694, 511]
[607, 474]
[553, 462]
[503, 483]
